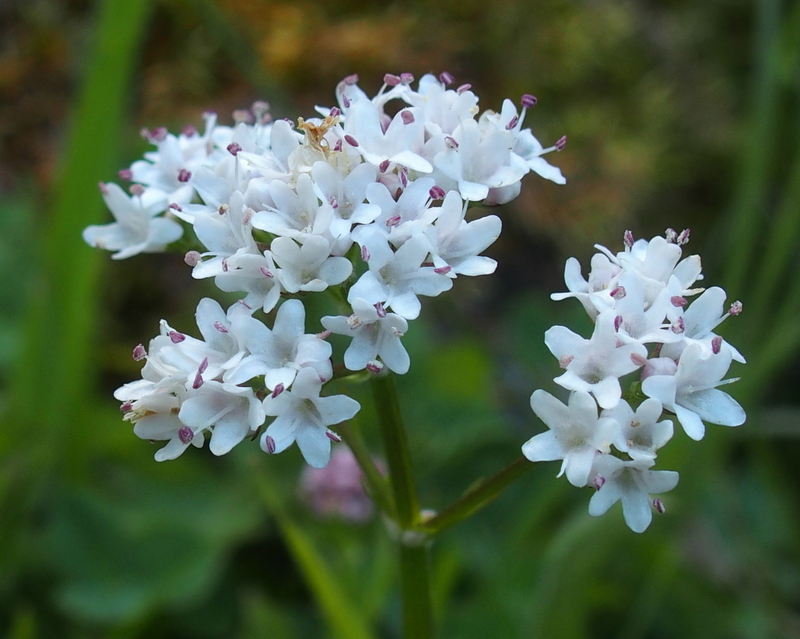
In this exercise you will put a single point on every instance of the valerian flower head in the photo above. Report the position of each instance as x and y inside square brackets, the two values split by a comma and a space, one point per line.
[648, 331]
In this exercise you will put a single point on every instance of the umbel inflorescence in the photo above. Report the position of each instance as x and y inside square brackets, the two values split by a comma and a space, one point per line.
[359, 202]
[644, 329]
[368, 203]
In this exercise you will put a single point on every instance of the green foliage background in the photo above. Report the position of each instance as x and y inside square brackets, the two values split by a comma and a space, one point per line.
[678, 114]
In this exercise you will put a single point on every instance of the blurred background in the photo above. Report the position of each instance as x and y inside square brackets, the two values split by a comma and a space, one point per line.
[679, 114]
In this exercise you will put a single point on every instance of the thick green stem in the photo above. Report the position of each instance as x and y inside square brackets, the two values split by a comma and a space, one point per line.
[416, 591]
[477, 497]
[414, 570]
[396, 444]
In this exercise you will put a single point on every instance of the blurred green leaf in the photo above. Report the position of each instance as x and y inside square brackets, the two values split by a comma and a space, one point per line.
[135, 543]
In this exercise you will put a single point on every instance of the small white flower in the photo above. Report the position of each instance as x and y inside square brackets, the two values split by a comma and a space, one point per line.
[631, 483]
[640, 434]
[576, 434]
[594, 365]
[308, 267]
[375, 333]
[396, 278]
[280, 353]
[303, 416]
[692, 394]
[136, 229]
[230, 412]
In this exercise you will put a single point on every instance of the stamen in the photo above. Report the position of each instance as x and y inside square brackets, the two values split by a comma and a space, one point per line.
[406, 78]
[184, 175]
[234, 148]
[260, 108]
[380, 309]
[618, 293]
[277, 390]
[391, 80]
[374, 366]
[446, 79]
[338, 146]
[407, 116]
[333, 436]
[716, 345]
[462, 88]
[266, 272]
[443, 270]
[451, 142]
[351, 79]
[185, 434]
[139, 353]
[220, 327]
[383, 166]
[561, 143]
[618, 322]
[176, 337]
[528, 100]
[436, 193]
[270, 444]
[678, 301]
[735, 308]
[136, 190]
[243, 115]
[365, 255]
[350, 140]
[628, 239]
[512, 122]
[125, 174]
[683, 238]
[637, 359]
[659, 506]
[598, 482]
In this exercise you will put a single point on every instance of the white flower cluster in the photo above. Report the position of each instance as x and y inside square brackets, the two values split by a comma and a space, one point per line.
[367, 201]
[645, 326]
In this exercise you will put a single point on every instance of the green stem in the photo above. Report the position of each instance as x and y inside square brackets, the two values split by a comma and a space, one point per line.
[477, 497]
[414, 569]
[376, 483]
[416, 591]
[397, 455]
